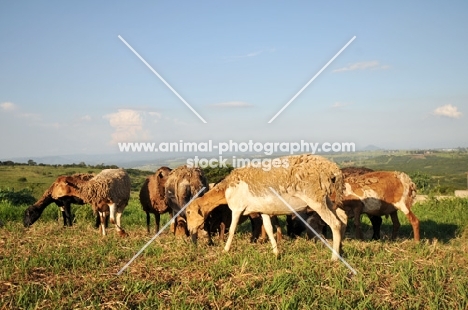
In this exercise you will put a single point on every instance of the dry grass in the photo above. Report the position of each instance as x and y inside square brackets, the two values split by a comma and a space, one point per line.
[50, 267]
[47, 266]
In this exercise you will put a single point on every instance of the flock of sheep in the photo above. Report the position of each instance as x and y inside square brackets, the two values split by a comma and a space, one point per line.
[310, 186]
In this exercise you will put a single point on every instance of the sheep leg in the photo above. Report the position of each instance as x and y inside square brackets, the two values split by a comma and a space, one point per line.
[112, 212]
[332, 219]
[256, 222]
[102, 218]
[269, 230]
[263, 235]
[376, 223]
[64, 216]
[289, 226]
[415, 223]
[68, 213]
[396, 224]
[232, 230]
[98, 221]
[357, 211]
[343, 217]
[222, 228]
[279, 233]
[118, 226]
[157, 217]
[148, 220]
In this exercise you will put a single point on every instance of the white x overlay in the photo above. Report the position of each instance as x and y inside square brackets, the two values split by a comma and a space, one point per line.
[159, 232]
[313, 230]
[163, 80]
[311, 80]
[270, 121]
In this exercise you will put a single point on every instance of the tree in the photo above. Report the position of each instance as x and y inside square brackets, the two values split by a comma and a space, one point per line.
[422, 181]
[31, 162]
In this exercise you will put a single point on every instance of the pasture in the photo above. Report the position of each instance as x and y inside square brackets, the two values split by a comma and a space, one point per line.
[47, 266]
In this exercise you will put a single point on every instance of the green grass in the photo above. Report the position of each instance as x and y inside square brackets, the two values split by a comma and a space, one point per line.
[48, 266]
[38, 178]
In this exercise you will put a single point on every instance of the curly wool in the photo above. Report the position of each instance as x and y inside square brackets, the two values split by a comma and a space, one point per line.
[315, 175]
[109, 186]
[182, 184]
[152, 193]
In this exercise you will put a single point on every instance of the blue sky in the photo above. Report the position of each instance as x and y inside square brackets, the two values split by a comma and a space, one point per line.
[68, 85]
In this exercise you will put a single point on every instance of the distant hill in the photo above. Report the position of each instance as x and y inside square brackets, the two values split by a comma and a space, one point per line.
[371, 147]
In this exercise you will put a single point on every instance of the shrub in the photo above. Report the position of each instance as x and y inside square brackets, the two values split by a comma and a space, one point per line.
[22, 197]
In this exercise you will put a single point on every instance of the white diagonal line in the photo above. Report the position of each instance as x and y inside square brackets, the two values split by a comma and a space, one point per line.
[163, 80]
[159, 232]
[313, 230]
[311, 80]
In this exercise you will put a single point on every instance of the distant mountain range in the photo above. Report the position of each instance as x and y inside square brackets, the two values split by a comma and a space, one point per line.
[371, 147]
[149, 161]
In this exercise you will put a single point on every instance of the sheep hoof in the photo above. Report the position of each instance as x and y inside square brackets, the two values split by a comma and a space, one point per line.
[123, 233]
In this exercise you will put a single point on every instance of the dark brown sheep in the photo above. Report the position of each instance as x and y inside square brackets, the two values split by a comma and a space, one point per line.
[152, 196]
[51, 195]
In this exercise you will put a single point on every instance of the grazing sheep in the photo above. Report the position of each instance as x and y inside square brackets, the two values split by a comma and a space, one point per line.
[381, 193]
[376, 220]
[152, 196]
[109, 191]
[301, 180]
[51, 195]
[220, 218]
[295, 227]
[181, 185]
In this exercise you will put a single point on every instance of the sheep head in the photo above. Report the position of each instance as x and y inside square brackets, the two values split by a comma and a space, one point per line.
[195, 217]
[31, 215]
[64, 186]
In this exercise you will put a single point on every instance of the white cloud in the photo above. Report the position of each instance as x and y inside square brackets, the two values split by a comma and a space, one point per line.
[7, 106]
[157, 114]
[232, 104]
[340, 104]
[30, 116]
[365, 65]
[86, 118]
[447, 110]
[128, 126]
[252, 54]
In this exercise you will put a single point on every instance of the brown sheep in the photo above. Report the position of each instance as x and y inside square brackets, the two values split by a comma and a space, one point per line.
[181, 185]
[34, 211]
[107, 192]
[152, 196]
[381, 193]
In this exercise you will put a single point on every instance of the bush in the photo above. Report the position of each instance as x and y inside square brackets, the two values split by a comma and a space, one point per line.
[214, 175]
[22, 197]
[422, 182]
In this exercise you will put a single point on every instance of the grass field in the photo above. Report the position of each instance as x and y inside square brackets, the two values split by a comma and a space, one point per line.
[50, 267]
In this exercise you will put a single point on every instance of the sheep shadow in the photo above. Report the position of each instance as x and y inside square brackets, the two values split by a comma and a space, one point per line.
[429, 229]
